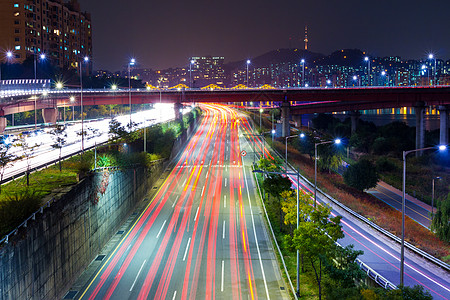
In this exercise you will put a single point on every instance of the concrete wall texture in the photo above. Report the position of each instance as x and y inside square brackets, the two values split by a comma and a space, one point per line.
[43, 259]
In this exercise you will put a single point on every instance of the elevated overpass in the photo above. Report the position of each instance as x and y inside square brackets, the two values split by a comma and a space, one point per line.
[293, 101]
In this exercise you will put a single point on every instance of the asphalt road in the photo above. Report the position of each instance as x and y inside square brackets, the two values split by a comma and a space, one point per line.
[202, 236]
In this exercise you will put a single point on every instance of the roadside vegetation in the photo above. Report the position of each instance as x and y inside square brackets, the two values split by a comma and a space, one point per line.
[21, 197]
[326, 269]
[386, 161]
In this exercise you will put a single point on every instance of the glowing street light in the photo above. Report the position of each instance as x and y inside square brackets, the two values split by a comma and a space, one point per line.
[402, 253]
[42, 57]
[368, 69]
[190, 72]
[303, 71]
[9, 54]
[431, 56]
[86, 60]
[383, 73]
[248, 63]
[72, 100]
[131, 63]
[335, 141]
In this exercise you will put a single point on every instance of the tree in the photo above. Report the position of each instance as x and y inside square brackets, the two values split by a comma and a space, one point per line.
[361, 175]
[59, 139]
[116, 130]
[316, 238]
[5, 160]
[28, 153]
[441, 220]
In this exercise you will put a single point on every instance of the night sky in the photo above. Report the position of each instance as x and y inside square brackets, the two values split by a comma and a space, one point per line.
[165, 33]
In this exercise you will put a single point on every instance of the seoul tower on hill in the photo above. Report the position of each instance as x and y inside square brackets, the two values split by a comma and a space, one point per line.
[306, 38]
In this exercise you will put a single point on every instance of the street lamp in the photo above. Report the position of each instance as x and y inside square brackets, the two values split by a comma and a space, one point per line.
[190, 72]
[368, 70]
[431, 56]
[432, 196]
[298, 214]
[402, 252]
[425, 69]
[301, 135]
[41, 57]
[328, 82]
[131, 63]
[337, 142]
[355, 78]
[248, 62]
[86, 60]
[383, 73]
[72, 100]
[303, 72]
[260, 112]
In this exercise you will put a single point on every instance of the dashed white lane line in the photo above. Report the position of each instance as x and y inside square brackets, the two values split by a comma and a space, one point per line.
[187, 248]
[134, 282]
[161, 228]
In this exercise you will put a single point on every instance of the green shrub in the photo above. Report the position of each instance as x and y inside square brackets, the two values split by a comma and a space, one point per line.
[385, 164]
[16, 208]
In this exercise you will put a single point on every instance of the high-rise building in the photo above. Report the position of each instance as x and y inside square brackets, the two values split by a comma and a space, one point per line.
[207, 70]
[55, 28]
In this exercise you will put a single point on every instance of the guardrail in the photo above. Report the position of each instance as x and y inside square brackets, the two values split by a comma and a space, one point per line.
[363, 219]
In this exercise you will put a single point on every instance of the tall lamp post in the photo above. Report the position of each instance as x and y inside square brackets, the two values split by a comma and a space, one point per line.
[383, 73]
[402, 252]
[368, 70]
[190, 72]
[432, 196]
[41, 57]
[131, 63]
[248, 63]
[431, 56]
[72, 100]
[9, 55]
[85, 60]
[301, 135]
[337, 142]
[303, 72]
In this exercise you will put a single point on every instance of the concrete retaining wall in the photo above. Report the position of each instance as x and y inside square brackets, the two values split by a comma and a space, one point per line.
[43, 259]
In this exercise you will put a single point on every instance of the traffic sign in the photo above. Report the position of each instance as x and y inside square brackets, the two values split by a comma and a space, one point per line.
[243, 153]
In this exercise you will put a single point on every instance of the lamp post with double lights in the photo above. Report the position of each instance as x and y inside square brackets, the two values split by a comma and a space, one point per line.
[131, 63]
[85, 60]
[301, 135]
[368, 70]
[431, 56]
[337, 142]
[248, 63]
[298, 215]
[402, 252]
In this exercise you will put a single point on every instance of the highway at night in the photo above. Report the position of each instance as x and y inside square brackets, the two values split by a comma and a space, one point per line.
[202, 236]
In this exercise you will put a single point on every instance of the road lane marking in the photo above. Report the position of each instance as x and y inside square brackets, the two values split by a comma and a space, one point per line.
[195, 219]
[225, 201]
[174, 295]
[225, 182]
[134, 282]
[256, 238]
[176, 200]
[187, 248]
[221, 283]
[184, 183]
[223, 233]
[161, 228]
[203, 190]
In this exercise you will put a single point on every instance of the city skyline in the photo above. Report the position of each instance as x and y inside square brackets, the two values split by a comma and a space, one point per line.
[238, 30]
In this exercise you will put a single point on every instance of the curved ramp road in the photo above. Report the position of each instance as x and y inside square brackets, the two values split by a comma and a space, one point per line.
[202, 236]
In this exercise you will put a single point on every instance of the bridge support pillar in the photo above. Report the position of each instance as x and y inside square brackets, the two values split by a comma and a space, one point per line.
[443, 117]
[285, 111]
[2, 124]
[49, 115]
[354, 117]
[420, 129]
[298, 120]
